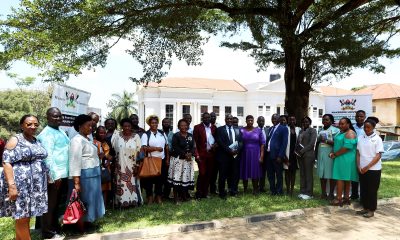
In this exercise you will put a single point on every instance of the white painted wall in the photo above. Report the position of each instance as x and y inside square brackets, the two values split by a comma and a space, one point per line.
[154, 100]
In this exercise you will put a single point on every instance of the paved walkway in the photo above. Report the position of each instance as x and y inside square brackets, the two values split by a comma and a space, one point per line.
[304, 224]
[344, 224]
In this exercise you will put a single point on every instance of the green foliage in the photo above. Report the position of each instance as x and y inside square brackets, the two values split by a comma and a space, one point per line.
[16, 103]
[21, 82]
[354, 89]
[122, 105]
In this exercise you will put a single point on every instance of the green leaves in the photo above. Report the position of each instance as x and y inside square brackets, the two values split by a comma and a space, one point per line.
[16, 103]
[122, 105]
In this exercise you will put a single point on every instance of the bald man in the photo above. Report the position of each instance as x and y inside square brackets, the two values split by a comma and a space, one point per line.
[56, 143]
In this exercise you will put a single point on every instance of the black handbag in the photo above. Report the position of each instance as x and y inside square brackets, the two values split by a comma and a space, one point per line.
[105, 175]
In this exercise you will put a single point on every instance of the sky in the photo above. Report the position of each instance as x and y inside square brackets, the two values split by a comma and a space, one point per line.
[219, 63]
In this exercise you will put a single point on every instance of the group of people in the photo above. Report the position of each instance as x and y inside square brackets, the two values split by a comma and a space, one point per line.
[102, 163]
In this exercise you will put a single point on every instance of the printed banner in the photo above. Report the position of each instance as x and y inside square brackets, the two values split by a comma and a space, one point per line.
[348, 105]
[70, 101]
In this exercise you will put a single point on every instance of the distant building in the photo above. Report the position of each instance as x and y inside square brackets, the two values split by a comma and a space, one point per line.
[386, 107]
[173, 97]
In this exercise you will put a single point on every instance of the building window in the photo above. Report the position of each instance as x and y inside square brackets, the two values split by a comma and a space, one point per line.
[315, 111]
[216, 110]
[203, 109]
[169, 113]
[320, 112]
[278, 110]
[260, 110]
[373, 109]
[185, 110]
[228, 110]
[240, 111]
[267, 110]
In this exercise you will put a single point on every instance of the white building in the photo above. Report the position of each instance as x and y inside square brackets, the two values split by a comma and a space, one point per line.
[174, 97]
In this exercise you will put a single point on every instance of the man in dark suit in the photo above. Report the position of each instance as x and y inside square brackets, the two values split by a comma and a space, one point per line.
[276, 151]
[204, 137]
[228, 161]
[261, 123]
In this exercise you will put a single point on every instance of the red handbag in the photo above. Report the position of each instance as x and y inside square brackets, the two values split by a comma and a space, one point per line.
[75, 209]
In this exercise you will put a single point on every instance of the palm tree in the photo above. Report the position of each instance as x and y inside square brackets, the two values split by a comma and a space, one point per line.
[122, 105]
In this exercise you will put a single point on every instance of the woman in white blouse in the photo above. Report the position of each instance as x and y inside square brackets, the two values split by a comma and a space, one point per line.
[154, 143]
[369, 149]
[84, 169]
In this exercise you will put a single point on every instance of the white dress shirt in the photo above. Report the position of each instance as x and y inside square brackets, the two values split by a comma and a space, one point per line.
[210, 138]
[232, 132]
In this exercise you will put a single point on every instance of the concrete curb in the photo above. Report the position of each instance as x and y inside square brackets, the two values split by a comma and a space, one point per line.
[227, 222]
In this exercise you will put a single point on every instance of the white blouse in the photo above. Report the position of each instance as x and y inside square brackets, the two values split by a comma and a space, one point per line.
[82, 155]
[156, 140]
[368, 147]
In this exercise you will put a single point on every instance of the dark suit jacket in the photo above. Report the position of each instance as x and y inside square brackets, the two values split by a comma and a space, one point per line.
[278, 142]
[222, 139]
[200, 138]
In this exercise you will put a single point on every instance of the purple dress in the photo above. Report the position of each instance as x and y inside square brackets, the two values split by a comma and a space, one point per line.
[250, 167]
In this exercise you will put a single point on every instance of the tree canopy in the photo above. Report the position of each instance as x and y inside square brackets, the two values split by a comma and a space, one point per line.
[311, 39]
[16, 103]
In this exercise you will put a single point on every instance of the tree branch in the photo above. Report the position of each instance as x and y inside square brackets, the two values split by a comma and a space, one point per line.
[232, 11]
[301, 9]
[346, 8]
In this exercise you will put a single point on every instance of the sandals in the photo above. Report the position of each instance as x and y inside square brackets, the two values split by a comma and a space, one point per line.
[337, 202]
[347, 201]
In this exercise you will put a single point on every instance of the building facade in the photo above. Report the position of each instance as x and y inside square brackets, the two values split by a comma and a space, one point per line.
[174, 97]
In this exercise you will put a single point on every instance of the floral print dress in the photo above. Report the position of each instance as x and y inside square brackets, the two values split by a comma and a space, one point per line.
[127, 185]
[30, 176]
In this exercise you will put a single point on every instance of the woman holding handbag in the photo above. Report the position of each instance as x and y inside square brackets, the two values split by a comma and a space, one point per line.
[155, 146]
[85, 171]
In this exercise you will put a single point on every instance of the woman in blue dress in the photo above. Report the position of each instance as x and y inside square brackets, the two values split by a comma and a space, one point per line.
[23, 183]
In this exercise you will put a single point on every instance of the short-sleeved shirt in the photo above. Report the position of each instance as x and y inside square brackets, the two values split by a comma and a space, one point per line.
[56, 143]
[368, 147]
[156, 140]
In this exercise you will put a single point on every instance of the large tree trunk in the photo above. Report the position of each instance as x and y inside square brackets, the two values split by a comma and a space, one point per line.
[297, 90]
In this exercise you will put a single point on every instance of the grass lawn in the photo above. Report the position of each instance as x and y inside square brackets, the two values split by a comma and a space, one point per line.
[216, 208]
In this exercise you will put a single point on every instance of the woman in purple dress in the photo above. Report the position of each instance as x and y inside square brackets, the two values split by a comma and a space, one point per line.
[252, 154]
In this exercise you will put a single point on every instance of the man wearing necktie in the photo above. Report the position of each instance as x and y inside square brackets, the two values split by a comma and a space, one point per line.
[227, 138]
[261, 123]
[204, 137]
[276, 151]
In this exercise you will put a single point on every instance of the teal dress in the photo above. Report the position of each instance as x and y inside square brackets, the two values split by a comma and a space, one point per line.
[324, 162]
[345, 165]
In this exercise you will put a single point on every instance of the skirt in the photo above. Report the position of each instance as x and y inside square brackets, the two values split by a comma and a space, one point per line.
[91, 194]
[324, 163]
[181, 173]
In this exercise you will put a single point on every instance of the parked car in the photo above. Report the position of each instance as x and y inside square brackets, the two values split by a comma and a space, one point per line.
[392, 150]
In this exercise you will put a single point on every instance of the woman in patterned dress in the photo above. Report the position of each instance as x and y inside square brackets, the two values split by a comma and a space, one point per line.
[127, 147]
[103, 150]
[23, 183]
[181, 167]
